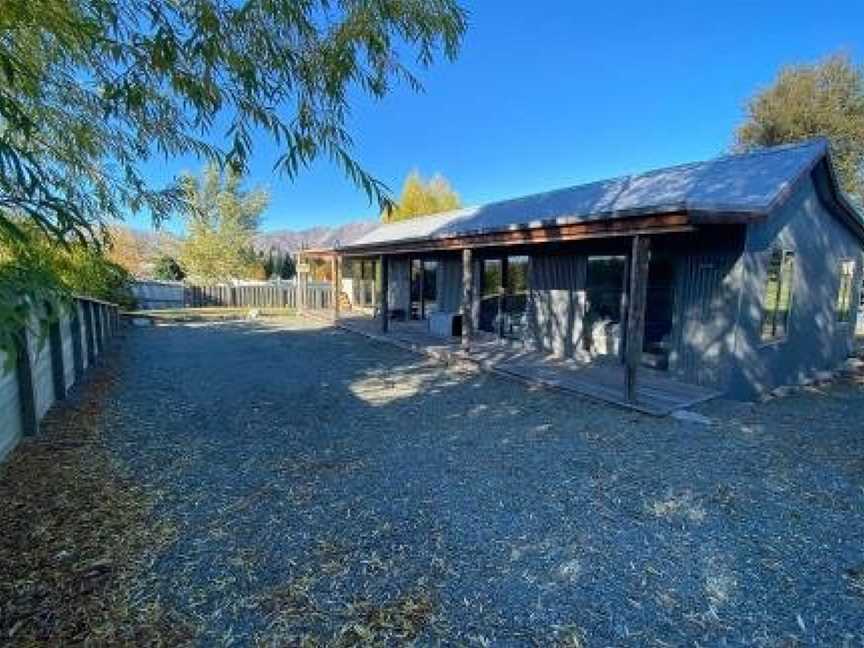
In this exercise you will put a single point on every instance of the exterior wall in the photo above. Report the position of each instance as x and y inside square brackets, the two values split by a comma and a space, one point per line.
[557, 303]
[815, 340]
[450, 284]
[707, 269]
[399, 288]
[708, 274]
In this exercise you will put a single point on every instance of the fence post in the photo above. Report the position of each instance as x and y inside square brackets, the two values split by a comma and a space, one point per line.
[77, 351]
[88, 331]
[55, 344]
[26, 395]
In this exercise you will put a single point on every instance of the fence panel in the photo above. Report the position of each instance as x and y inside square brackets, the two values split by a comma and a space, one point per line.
[158, 294]
[43, 371]
[265, 295]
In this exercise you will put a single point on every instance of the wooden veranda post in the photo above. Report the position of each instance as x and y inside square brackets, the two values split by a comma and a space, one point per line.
[334, 277]
[384, 300]
[467, 298]
[638, 293]
[298, 284]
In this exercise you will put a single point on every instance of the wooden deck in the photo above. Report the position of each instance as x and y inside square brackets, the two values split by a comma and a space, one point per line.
[656, 393]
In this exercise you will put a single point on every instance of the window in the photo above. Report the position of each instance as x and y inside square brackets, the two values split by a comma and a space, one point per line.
[844, 292]
[777, 302]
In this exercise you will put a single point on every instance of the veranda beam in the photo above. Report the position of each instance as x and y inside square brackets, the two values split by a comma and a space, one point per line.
[639, 259]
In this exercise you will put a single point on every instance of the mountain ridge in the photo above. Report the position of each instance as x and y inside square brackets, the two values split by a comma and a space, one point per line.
[320, 236]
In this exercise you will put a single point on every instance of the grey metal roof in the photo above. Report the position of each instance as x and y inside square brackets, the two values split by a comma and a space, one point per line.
[750, 183]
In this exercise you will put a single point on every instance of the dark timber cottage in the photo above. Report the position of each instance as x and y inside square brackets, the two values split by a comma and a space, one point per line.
[739, 274]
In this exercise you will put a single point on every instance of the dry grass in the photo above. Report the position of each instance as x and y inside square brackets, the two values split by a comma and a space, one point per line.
[77, 540]
[401, 620]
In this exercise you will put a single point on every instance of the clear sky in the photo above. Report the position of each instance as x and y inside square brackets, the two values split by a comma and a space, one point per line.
[552, 93]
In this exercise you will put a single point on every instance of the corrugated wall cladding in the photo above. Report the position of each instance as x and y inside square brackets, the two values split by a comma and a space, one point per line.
[450, 285]
[815, 340]
[557, 303]
[27, 390]
[399, 290]
[706, 297]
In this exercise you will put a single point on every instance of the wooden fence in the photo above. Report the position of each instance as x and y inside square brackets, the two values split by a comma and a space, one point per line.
[273, 294]
[47, 364]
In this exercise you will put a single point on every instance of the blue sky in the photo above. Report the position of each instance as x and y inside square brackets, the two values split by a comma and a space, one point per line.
[551, 93]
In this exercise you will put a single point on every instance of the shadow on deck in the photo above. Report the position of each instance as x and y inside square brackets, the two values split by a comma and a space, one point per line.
[656, 393]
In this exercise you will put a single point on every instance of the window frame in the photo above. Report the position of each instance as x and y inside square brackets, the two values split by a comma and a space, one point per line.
[775, 338]
[849, 293]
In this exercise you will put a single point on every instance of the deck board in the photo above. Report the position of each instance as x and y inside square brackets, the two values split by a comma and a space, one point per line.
[656, 393]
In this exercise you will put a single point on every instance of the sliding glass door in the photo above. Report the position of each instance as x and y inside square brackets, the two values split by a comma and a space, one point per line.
[514, 304]
[490, 294]
[504, 295]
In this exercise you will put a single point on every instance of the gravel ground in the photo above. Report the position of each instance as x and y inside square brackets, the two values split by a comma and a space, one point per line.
[329, 490]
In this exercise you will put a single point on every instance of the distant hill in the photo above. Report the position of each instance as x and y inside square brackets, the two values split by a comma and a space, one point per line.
[313, 237]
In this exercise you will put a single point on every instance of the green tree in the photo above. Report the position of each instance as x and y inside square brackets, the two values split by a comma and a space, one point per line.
[278, 264]
[811, 100]
[166, 268]
[420, 197]
[221, 220]
[91, 89]
[34, 269]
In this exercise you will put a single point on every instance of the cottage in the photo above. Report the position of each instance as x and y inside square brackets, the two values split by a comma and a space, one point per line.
[738, 274]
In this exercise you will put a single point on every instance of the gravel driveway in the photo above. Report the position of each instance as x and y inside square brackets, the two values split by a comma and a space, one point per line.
[329, 490]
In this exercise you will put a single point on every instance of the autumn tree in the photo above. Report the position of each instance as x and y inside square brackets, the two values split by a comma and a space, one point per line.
[127, 250]
[222, 219]
[811, 100]
[167, 268]
[420, 197]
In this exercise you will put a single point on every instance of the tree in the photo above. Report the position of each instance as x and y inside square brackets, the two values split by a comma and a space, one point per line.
[90, 89]
[126, 249]
[221, 221]
[420, 197]
[34, 269]
[166, 268]
[811, 100]
[278, 264]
